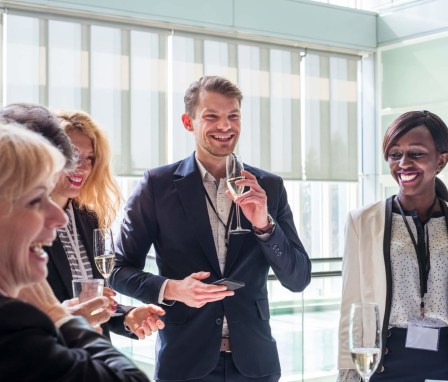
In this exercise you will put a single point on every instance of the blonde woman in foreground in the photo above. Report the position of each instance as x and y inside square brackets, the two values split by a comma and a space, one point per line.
[39, 339]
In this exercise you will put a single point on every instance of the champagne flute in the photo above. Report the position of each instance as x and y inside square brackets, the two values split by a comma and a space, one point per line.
[365, 338]
[104, 254]
[233, 173]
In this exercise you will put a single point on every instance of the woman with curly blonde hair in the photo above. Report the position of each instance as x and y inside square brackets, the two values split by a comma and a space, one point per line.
[91, 199]
[99, 192]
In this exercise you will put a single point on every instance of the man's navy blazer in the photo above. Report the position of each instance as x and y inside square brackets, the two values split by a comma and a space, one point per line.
[168, 210]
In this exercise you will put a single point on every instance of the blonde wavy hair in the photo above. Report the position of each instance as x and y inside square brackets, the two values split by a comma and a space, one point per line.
[100, 193]
[26, 160]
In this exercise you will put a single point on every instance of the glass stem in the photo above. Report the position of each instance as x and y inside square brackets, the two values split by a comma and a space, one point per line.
[238, 222]
[106, 282]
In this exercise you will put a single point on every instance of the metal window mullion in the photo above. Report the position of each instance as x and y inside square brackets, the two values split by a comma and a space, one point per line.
[43, 61]
[265, 110]
[198, 58]
[325, 170]
[125, 95]
[163, 101]
[86, 67]
[296, 135]
[232, 49]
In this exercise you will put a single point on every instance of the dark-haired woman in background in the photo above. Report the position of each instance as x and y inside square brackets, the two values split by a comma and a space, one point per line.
[396, 255]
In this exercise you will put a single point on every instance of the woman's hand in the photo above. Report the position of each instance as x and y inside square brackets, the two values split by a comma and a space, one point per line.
[95, 311]
[144, 320]
[109, 293]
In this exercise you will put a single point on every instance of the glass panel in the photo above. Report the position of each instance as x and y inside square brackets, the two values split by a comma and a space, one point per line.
[320, 327]
[331, 125]
[217, 61]
[415, 74]
[284, 114]
[254, 83]
[148, 94]
[143, 353]
[22, 60]
[106, 76]
[320, 210]
[64, 72]
[187, 66]
[286, 322]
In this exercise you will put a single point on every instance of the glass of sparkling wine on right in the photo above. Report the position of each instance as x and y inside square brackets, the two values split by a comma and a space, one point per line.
[365, 338]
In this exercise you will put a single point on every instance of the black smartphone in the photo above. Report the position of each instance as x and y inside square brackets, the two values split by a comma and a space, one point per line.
[230, 284]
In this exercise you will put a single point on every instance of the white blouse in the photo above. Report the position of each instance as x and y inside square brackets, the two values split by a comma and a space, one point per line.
[405, 274]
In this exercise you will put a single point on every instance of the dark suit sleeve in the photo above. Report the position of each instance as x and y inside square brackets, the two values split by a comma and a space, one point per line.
[283, 249]
[116, 323]
[138, 230]
[32, 349]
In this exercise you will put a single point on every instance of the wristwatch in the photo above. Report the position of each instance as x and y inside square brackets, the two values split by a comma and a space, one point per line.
[268, 229]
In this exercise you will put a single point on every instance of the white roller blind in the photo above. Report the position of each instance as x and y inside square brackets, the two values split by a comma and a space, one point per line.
[331, 104]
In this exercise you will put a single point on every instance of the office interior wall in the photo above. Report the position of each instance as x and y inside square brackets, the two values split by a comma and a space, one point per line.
[412, 68]
[295, 20]
[412, 20]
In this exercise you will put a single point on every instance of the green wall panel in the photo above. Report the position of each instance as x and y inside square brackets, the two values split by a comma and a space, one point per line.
[415, 74]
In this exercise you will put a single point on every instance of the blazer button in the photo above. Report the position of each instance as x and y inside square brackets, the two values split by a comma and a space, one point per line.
[218, 321]
[386, 350]
[380, 371]
[275, 247]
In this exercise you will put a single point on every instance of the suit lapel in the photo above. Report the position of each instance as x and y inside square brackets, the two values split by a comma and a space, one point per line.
[235, 244]
[85, 224]
[192, 197]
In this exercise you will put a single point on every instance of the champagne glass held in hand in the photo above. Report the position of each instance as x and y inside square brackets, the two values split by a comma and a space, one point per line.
[365, 338]
[104, 254]
[233, 173]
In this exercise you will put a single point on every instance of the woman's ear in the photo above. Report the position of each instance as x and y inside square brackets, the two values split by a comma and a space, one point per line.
[186, 120]
[443, 159]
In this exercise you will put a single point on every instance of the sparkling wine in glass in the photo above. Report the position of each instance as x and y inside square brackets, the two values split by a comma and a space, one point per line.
[365, 338]
[233, 173]
[104, 254]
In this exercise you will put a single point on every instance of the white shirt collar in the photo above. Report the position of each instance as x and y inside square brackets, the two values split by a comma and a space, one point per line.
[205, 175]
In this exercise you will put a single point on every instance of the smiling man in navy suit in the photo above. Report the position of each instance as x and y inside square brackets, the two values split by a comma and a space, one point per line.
[185, 211]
